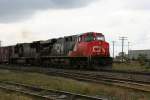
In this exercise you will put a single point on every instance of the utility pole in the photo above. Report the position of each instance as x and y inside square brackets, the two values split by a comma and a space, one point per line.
[0, 43]
[128, 48]
[113, 49]
[122, 53]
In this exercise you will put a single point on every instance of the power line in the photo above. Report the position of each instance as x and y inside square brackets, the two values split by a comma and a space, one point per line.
[122, 39]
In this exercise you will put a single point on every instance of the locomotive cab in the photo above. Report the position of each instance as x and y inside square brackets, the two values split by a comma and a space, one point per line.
[89, 37]
[91, 44]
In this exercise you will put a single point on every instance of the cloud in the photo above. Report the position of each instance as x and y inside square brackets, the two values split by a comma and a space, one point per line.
[114, 18]
[137, 4]
[12, 10]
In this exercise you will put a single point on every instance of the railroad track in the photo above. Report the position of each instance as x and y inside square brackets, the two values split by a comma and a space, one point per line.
[44, 94]
[140, 82]
[140, 86]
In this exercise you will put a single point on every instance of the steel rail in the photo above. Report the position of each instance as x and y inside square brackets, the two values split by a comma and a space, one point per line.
[48, 94]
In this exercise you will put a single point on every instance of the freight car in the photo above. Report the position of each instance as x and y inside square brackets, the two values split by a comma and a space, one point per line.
[88, 50]
[4, 54]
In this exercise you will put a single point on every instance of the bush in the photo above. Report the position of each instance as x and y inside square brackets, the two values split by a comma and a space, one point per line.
[142, 58]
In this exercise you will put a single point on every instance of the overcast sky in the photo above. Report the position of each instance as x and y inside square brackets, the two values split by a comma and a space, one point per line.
[30, 20]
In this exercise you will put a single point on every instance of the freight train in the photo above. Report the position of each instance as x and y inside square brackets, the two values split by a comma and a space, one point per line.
[88, 50]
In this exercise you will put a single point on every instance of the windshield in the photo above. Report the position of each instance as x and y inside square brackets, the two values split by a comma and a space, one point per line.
[100, 38]
[89, 38]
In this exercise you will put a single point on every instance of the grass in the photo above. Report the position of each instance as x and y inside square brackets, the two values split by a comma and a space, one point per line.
[5, 95]
[133, 66]
[50, 82]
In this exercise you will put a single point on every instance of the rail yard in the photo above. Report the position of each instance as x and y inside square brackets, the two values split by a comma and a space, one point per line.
[84, 58]
[74, 50]
[128, 79]
[136, 81]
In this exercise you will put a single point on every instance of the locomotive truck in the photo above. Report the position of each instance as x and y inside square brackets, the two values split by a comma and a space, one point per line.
[87, 50]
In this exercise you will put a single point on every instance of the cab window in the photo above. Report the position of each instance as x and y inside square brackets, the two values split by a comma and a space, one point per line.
[89, 38]
[100, 38]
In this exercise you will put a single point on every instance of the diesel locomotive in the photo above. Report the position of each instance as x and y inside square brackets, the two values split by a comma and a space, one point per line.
[87, 50]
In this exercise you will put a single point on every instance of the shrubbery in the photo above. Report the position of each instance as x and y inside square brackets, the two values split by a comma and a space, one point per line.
[142, 58]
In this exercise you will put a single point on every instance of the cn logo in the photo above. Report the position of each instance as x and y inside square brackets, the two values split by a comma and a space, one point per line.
[59, 48]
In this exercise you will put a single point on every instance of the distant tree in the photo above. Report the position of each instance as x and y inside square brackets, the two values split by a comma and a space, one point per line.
[142, 58]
